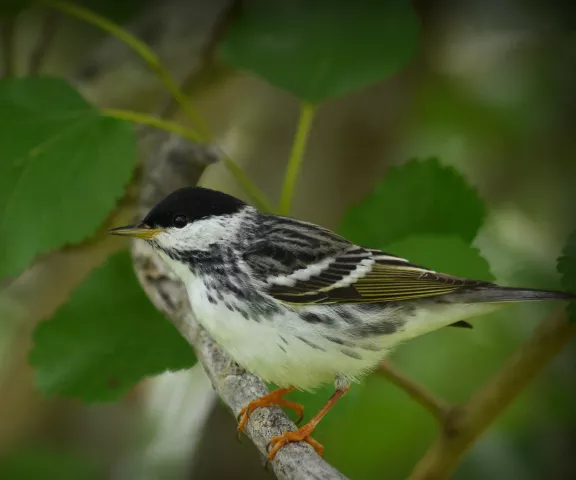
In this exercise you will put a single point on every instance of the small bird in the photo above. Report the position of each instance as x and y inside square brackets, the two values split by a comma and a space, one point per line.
[297, 304]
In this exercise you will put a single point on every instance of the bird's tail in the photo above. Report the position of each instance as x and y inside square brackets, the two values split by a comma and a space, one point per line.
[497, 294]
[471, 302]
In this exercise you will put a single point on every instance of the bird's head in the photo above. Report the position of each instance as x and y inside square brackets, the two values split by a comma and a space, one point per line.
[191, 218]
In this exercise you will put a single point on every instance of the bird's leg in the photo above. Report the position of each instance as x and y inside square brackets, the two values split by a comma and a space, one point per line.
[304, 432]
[276, 397]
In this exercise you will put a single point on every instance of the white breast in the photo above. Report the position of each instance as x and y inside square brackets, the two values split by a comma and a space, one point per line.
[272, 348]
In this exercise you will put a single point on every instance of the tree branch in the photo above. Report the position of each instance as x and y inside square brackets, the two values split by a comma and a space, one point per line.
[465, 424]
[235, 386]
[437, 407]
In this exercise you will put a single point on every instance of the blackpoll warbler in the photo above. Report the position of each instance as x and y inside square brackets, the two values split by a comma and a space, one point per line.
[298, 305]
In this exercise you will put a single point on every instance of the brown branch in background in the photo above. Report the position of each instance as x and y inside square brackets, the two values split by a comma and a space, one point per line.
[465, 424]
[437, 407]
[7, 41]
[46, 37]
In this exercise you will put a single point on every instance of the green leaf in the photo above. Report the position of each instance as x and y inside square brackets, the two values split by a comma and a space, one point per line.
[62, 168]
[567, 267]
[106, 338]
[323, 48]
[421, 196]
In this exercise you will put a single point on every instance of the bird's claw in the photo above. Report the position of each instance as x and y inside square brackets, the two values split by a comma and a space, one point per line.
[273, 398]
[300, 435]
[242, 420]
[300, 417]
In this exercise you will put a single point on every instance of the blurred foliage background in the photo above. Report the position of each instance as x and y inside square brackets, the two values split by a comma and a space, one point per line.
[485, 87]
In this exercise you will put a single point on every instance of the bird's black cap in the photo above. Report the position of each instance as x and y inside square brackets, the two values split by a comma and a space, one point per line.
[189, 204]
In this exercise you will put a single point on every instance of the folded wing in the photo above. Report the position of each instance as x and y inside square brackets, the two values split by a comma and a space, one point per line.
[361, 275]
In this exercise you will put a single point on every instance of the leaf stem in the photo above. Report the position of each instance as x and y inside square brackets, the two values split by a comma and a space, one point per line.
[258, 198]
[145, 52]
[307, 111]
[146, 119]
[437, 407]
[8, 33]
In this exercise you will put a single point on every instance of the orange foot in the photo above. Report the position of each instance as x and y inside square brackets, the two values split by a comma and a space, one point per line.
[303, 433]
[275, 397]
[300, 435]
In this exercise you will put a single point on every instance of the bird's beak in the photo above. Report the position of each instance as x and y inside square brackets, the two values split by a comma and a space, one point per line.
[138, 231]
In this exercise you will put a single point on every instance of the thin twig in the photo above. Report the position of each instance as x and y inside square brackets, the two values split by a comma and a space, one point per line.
[45, 39]
[153, 121]
[258, 198]
[7, 39]
[307, 111]
[468, 422]
[437, 407]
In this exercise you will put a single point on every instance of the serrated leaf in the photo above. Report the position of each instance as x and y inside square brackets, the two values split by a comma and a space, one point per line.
[106, 339]
[567, 267]
[421, 196]
[62, 168]
[321, 49]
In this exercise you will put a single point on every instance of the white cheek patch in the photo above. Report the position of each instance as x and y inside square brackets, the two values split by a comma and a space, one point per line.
[176, 238]
[199, 235]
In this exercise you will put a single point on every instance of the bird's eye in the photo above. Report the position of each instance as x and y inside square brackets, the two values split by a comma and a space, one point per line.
[179, 221]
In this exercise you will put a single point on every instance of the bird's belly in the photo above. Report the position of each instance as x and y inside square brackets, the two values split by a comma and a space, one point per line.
[279, 347]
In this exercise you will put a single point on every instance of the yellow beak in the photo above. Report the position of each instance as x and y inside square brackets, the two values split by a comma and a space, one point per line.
[137, 231]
